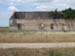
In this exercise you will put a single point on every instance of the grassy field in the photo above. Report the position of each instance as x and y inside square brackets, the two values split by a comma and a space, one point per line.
[38, 52]
[36, 37]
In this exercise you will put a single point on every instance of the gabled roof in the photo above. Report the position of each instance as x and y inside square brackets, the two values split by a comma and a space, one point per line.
[30, 15]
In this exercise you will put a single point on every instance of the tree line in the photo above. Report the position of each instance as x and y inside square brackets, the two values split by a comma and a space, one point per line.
[65, 14]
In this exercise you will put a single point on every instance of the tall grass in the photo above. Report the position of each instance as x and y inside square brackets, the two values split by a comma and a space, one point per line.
[38, 52]
[36, 37]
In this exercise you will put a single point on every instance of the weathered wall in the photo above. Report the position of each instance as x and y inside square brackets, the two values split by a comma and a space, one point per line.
[36, 25]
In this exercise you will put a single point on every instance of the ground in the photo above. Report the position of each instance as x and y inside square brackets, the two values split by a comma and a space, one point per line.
[38, 52]
[36, 37]
[52, 39]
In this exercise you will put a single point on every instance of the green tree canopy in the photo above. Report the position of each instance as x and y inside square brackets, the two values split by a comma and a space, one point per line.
[66, 14]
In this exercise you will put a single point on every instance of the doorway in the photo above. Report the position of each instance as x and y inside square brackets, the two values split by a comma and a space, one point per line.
[19, 26]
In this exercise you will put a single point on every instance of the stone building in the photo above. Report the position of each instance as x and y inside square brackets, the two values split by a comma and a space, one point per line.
[39, 21]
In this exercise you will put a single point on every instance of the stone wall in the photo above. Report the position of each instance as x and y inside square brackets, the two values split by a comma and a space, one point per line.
[44, 25]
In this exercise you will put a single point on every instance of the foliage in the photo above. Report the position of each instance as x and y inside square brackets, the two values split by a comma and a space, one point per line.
[66, 14]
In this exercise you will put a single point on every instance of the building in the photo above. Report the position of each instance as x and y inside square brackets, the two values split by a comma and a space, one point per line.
[39, 21]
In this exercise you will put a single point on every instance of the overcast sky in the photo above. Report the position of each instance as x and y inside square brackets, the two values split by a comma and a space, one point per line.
[8, 6]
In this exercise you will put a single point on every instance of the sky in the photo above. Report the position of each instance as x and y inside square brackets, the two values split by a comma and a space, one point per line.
[7, 7]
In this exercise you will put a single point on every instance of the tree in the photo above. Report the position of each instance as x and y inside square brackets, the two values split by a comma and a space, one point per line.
[66, 14]
[69, 13]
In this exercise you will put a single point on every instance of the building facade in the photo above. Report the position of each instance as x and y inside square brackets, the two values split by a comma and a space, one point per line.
[39, 21]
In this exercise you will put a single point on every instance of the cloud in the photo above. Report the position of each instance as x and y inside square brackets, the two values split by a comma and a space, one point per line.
[12, 8]
[41, 4]
[43, 1]
[42, 8]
